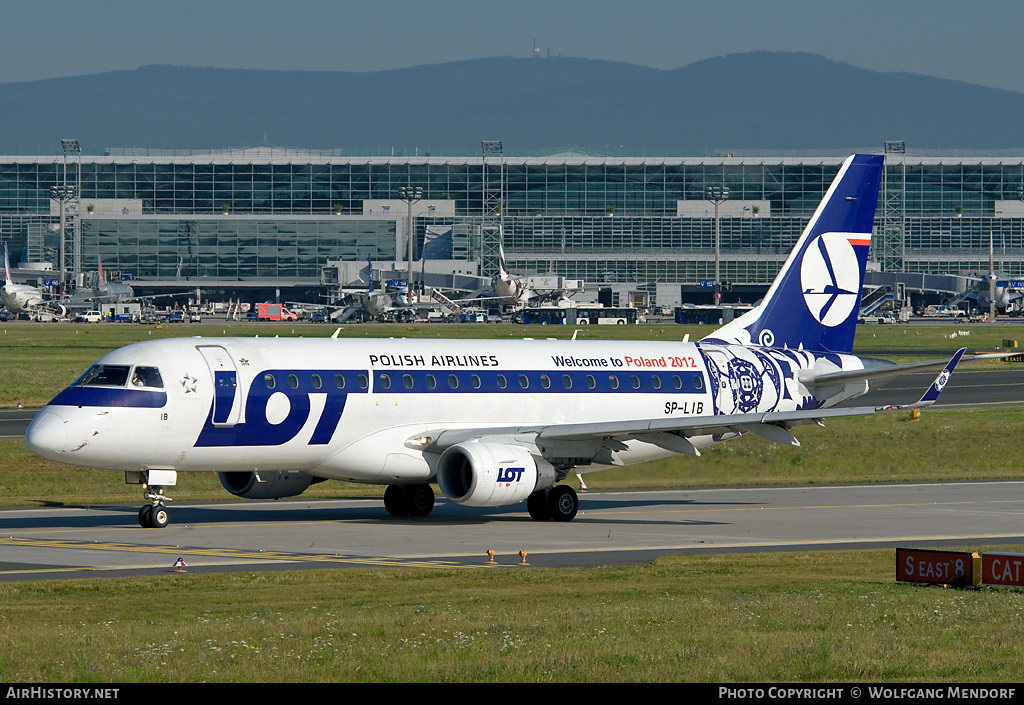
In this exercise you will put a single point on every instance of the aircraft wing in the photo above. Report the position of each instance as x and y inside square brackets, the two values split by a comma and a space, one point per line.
[599, 440]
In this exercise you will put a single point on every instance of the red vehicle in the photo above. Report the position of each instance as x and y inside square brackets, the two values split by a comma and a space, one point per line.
[274, 312]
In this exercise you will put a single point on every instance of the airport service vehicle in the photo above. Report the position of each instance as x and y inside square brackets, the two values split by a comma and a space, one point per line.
[491, 422]
[880, 320]
[89, 317]
[274, 312]
[578, 315]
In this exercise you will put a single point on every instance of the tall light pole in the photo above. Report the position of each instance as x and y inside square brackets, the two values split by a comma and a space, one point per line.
[493, 208]
[62, 195]
[410, 194]
[71, 195]
[717, 195]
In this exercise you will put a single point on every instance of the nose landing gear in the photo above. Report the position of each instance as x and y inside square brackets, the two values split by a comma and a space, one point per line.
[154, 515]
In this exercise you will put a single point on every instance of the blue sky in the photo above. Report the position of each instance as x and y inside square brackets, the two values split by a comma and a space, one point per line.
[978, 42]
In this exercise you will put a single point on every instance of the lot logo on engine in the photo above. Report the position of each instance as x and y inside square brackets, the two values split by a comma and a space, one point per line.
[510, 475]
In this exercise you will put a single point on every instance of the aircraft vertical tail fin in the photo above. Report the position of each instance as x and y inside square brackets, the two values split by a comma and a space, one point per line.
[502, 268]
[815, 299]
[7, 267]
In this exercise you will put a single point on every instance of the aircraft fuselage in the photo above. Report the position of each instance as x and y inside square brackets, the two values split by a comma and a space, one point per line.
[344, 409]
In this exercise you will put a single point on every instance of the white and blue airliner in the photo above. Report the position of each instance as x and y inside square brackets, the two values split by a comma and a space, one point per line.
[491, 422]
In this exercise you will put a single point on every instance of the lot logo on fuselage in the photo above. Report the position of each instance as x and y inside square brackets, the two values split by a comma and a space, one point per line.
[276, 414]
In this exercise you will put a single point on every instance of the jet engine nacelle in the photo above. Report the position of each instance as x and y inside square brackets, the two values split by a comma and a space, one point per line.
[265, 485]
[491, 474]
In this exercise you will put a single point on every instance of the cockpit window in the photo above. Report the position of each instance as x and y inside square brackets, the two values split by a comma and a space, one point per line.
[118, 376]
[104, 376]
[147, 377]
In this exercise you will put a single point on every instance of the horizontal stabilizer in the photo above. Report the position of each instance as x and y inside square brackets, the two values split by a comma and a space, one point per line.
[888, 371]
[940, 382]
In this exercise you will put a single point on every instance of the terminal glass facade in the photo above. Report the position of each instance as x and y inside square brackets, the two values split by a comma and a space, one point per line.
[282, 214]
[232, 248]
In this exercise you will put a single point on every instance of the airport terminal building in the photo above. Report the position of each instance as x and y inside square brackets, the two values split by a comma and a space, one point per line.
[275, 217]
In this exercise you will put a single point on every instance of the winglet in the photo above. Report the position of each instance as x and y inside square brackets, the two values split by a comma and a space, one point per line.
[933, 391]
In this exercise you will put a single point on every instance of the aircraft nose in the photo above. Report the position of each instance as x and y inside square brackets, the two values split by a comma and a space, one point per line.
[47, 435]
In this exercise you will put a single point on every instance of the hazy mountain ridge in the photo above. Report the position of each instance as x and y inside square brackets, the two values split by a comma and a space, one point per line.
[759, 100]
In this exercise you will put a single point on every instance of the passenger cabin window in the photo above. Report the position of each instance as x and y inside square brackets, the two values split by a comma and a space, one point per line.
[104, 376]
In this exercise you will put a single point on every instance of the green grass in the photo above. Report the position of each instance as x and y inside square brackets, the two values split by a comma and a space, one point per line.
[811, 617]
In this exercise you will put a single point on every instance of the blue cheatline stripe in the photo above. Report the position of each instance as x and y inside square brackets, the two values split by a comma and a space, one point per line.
[463, 381]
[110, 396]
[414, 381]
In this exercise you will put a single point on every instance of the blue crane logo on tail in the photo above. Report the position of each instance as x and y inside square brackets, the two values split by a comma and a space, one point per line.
[830, 278]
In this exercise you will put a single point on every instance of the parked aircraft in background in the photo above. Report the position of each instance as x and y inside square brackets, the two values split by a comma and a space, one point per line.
[491, 422]
[992, 292]
[508, 289]
[18, 297]
[371, 303]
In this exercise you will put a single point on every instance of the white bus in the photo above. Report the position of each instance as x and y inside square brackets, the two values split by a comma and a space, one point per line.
[579, 315]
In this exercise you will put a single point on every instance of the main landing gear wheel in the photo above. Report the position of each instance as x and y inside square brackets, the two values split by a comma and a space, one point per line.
[409, 500]
[559, 503]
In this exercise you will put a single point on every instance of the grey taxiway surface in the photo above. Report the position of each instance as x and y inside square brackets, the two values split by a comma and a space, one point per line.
[623, 527]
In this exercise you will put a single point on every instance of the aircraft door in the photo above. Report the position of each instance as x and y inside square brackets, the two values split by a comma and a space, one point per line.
[720, 380]
[227, 397]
